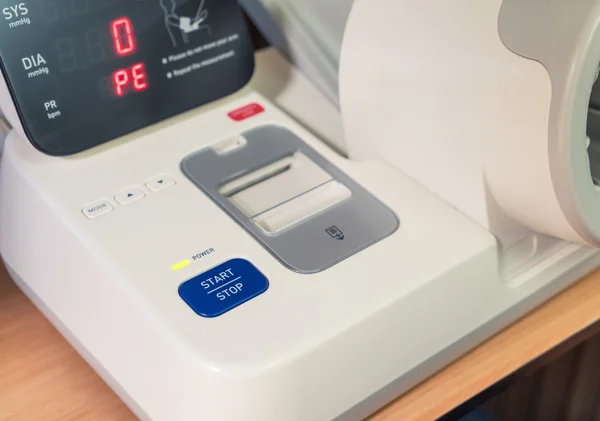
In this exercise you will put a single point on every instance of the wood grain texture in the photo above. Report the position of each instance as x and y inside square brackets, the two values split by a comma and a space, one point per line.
[567, 389]
[42, 378]
[567, 314]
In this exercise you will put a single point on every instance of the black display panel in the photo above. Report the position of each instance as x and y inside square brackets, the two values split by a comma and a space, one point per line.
[84, 72]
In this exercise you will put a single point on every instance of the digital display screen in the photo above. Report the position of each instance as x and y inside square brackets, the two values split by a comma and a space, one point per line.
[84, 72]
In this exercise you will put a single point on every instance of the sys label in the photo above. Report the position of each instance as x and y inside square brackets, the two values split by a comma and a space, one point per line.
[223, 288]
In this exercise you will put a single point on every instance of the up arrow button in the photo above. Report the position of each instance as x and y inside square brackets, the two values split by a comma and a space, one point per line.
[130, 195]
[160, 183]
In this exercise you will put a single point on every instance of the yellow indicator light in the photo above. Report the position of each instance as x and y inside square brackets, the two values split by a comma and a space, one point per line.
[180, 265]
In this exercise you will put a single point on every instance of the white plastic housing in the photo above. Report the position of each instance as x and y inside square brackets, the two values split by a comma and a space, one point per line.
[336, 345]
[484, 103]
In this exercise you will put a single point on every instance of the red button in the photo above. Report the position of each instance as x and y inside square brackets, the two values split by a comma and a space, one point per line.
[246, 112]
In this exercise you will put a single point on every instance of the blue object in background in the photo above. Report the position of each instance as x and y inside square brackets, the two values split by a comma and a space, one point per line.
[478, 415]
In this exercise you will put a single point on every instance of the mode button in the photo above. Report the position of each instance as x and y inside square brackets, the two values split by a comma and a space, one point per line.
[98, 209]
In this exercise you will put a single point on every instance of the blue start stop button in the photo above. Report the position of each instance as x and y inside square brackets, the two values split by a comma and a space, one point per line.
[223, 288]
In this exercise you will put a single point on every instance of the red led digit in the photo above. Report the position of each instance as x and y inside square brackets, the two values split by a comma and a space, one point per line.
[120, 79]
[122, 31]
[124, 42]
[139, 77]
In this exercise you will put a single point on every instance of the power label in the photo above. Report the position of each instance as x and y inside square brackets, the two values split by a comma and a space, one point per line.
[223, 288]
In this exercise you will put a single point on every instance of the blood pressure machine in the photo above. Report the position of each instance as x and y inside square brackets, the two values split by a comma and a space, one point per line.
[191, 219]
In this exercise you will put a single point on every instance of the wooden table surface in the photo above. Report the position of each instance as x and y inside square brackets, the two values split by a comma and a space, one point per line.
[42, 378]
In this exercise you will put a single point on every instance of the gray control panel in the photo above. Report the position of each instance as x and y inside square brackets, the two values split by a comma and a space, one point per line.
[298, 205]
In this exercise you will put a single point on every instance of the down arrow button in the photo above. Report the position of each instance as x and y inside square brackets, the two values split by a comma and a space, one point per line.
[160, 183]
